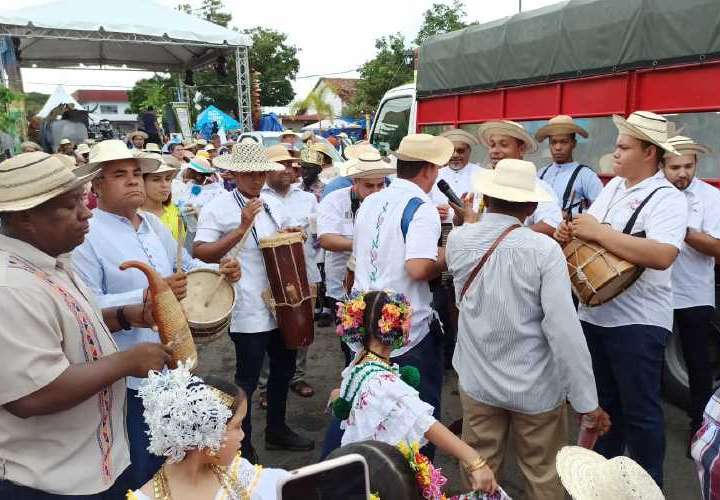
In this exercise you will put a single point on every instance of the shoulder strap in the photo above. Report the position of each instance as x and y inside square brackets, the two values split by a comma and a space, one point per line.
[412, 205]
[569, 186]
[484, 259]
[354, 203]
[636, 213]
[544, 171]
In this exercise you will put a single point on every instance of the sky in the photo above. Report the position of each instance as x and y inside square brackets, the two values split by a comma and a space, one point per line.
[332, 37]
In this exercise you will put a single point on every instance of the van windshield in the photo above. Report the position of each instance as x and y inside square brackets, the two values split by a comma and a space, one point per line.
[392, 123]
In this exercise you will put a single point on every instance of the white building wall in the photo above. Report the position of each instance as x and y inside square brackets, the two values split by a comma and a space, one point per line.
[122, 114]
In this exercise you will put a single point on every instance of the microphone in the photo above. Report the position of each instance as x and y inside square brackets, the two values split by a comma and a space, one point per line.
[445, 189]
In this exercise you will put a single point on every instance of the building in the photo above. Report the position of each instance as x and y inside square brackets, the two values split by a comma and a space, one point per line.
[340, 93]
[111, 105]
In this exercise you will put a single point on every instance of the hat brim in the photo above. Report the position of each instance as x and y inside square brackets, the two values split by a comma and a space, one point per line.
[625, 127]
[577, 468]
[689, 149]
[560, 129]
[226, 162]
[135, 134]
[369, 170]
[484, 183]
[487, 129]
[147, 165]
[34, 201]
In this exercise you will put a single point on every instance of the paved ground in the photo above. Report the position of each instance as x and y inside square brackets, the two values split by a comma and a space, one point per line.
[324, 364]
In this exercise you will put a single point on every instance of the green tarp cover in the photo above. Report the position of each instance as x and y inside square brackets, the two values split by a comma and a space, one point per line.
[568, 40]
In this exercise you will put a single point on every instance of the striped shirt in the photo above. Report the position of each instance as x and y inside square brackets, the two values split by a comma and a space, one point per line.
[520, 345]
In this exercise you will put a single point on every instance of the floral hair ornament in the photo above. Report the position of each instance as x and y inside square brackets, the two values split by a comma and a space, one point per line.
[429, 479]
[350, 314]
[393, 328]
[183, 413]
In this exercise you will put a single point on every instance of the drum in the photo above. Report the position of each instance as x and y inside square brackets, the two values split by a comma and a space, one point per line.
[597, 275]
[207, 323]
[291, 294]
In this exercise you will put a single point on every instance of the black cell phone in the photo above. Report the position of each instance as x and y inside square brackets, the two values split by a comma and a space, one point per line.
[343, 478]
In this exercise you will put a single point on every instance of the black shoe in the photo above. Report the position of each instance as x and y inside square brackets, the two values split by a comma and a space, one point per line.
[286, 439]
[324, 320]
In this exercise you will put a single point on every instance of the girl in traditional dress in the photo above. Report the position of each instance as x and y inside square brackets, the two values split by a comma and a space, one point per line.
[158, 199]
[197, 426]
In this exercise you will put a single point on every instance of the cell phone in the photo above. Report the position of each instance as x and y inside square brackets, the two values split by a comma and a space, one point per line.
[344, 477]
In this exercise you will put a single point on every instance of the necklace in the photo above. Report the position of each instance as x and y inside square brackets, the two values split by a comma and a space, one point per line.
[235, 490]
[373, 356]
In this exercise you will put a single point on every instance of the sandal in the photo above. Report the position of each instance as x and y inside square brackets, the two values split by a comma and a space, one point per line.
[302, 389]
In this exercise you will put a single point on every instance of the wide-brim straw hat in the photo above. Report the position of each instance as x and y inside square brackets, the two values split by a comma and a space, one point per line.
[560, 125]
[506, 127]
[200, 165]
[369, 165]
[30, 144]
[511, 180]
[209, 147]
[65, 141]
[647, 127]
[425, 147]
[136, 133]
[587, 475]
[459, 135]
[171, 161]
[83, 148]
[278, 153]
[151, 147]
[353, 152]
[687, 146]
[30, 179]
[286, 133]
[247, 157]
[115, 149]
[201, 142]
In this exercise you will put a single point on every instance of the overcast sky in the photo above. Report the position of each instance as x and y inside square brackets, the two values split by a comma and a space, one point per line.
[331, 36]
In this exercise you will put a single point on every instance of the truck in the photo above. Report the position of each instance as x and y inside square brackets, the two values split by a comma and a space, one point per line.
[590, 59]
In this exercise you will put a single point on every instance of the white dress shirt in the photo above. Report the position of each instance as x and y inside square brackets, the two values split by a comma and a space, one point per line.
[587, 185]
[648, 301]
[520, 345]
[380, 251]
[335, 217]
[459, 180]
[693, 272]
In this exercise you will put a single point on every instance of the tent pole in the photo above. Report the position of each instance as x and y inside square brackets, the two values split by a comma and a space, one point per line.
[242, 74]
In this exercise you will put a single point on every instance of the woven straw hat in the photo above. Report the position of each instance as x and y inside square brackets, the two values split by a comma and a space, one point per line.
[459, 135]
[369, 165]
[425, 147]
[30, 145]
[506, 127]
[247, 157]
[151, 147]
[65, 141]
[30, 179]
[324, 148]
[353, 152]
[511, 180]
[587, 475]
[558, 125]
[201, 142]
[115, 149]
[83, 148]
[311, 155]
[136, 133]
[278, 153]
[687, 146]
[645, 126]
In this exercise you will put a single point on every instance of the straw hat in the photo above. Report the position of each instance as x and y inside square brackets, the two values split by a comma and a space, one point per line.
[288, 132]
[558, 125]
[511, 180]
[65, 141]
[324, 148]
[425, 147]
[311, 155]
[171, 161]
[201, 142]
[209, 147]
[165, 168]
[30, 179]
[645, 126]
[83, 148]
[369, 165]
[151, 147]
[353, 152]
[30, 145]
[115, 149]
[189, 143]
[459, 135]
[200, 165]
[506, 127]
[587, 475]
[247, 157]
[278, 153]
[687, 146]
[136, 133]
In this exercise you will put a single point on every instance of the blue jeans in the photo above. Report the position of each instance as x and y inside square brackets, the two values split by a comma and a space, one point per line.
[250, 349]
[12, 491]
[143, 464]
[628, 363]
[427, 357]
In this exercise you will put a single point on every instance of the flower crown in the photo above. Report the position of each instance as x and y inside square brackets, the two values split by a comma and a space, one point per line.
[429, 479]
[393, 327]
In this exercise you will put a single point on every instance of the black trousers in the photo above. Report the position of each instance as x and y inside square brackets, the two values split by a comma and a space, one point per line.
[693, 324]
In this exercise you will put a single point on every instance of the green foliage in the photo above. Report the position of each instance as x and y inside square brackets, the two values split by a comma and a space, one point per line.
[277, 63]
[315, 100]
[8, 116]
[156, 92]
[441, 18]
[34, 102]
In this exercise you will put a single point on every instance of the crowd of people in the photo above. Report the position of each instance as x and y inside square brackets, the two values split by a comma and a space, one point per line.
[417, 279]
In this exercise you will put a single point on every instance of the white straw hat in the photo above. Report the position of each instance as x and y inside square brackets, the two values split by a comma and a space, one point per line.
[459, 135]
[647, 127]
[82, 148]
[30, 179]
[65, 141]
[511, 180]
[135, 133]
[151, 147]
[425, 147]
[115, 149]
[369, 165]
[558, 125]
[288, 132]
[278, 153]
[506, 127]
[353, 152]
[247, 157]
[686, 145]
[587, 475]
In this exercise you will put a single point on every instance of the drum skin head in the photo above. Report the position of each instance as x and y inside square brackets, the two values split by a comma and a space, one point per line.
[200, 282]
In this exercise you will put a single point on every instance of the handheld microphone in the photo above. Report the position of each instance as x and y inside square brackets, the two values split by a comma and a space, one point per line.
[445, 189]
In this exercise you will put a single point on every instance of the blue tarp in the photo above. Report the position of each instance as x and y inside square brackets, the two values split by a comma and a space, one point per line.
[212, 119]
[354, 133]
[270, 123]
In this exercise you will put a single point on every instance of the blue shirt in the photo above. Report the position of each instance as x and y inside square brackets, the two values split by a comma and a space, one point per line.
[587, 185]
[335, 184]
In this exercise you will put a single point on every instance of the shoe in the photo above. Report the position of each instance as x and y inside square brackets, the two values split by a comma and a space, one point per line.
[302, 389]
[286, 439]
[324, 320]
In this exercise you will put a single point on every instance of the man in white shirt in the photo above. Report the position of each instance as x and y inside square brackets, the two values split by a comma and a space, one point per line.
[693, 273]
[627, 335]
[520, 351]
[253, 329]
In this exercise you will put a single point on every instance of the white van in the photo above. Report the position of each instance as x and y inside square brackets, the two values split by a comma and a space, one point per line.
[395, 118]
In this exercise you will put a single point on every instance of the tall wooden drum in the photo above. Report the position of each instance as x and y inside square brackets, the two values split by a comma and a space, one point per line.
[291, 294]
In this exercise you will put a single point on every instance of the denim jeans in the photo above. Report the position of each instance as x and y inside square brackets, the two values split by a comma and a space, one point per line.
[250, 349]
[628, 363]
[143, 464]
[12, 491]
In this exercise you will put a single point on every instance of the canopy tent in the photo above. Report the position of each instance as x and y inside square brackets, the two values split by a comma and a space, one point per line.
[60, 96]
[212, 119]
[270, 123]
[137, 34]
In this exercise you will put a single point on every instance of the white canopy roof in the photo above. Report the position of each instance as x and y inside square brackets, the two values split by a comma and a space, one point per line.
[60, 96]
[327, 124]
[136, 33]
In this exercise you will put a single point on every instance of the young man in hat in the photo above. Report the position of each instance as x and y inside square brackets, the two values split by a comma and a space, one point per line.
[66, 147]
[564, 174]
[693, 273]
[253, 328]
[350, 153]
[627, 335]
[508, 139]
[62, 402]
[289, 139]
[520, 350]
[119, 231]
[137, 138]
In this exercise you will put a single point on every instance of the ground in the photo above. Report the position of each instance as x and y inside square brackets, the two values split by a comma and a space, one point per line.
[308, 416]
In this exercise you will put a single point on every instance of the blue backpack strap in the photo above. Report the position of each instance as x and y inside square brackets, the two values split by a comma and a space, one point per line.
[412, 205]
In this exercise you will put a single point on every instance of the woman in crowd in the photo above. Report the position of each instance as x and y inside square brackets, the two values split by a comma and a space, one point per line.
[158, 199]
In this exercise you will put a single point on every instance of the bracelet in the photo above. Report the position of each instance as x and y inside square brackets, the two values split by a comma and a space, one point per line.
[120, 315]
[476, 464]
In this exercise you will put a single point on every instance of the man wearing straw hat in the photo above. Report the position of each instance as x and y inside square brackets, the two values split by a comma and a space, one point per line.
[508, 139]
[62, 402]
[82, 153]
[253, 329]
[693, 273]
[137, 139]
[627, 335]
[566, 176]
[520, 350]
[119, 231]
[66, 147]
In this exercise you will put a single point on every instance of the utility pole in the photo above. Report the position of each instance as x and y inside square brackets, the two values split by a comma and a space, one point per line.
[519, 5]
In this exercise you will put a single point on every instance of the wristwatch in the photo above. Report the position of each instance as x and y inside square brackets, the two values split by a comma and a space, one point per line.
[120, 315]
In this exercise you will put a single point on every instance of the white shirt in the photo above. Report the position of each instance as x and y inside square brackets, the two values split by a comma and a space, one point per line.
[206, 194]
[217, 219]
[335, 217]
[648, 301]
[459, 180]
[693, 272]
[380, 251]
[587, 185]
[520, 345]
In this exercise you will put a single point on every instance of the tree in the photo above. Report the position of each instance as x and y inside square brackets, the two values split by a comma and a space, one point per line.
[441, 18]
[34, 101]
[210, 10]
[156, 92]
[315, 100]
[277, 63]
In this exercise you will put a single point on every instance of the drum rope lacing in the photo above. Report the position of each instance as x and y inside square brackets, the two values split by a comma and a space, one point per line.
[581, 276]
